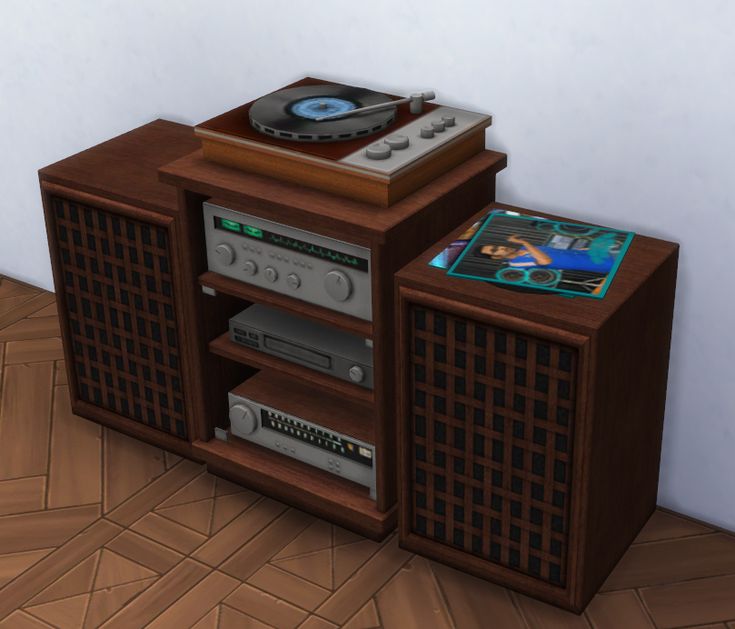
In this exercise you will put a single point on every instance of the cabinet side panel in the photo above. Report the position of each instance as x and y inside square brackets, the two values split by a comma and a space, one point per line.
[632, 359]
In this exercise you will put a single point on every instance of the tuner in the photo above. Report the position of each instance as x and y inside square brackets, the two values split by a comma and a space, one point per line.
[243, 420]
[310, 267]
[338, 285]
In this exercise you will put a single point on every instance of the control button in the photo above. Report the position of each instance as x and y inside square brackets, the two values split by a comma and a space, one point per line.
[379, 150]
[250, 267]
[225, 253]
[243, 420]
[338, 285]
[449, 121]
[397, 142]
[270, 274]
[437, 125]
[356, 373]
[427, 132]
[293, 281]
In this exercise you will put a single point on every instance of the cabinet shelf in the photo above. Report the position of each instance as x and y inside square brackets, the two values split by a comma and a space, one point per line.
[300, 308]
[223, 346]
[296, 483]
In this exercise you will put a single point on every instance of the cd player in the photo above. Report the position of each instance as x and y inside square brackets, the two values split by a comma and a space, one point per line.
[308, 343]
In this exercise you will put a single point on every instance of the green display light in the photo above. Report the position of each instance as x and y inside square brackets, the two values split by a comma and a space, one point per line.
[230, 225]
[253, 231]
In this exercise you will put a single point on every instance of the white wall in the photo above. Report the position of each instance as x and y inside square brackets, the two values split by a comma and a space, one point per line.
[614, 111]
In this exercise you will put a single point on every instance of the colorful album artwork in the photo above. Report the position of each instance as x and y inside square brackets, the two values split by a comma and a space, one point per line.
[529, 252]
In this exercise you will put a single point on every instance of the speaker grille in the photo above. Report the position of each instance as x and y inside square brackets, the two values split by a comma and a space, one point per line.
[491, 430]
[117, 284]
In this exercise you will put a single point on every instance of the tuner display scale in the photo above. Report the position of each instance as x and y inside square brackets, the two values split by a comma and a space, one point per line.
[307, 266]
[301, 439]
[308, 343]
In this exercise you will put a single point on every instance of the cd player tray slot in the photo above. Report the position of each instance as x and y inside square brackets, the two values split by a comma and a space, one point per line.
[223, 346]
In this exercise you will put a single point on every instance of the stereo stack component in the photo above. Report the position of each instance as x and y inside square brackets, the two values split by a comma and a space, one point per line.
[346, 140]
[301, 264]
[261, 413]
[530, 424]
[308, 343]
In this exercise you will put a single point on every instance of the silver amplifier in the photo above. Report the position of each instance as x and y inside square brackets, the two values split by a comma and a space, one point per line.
[298, 263]
[308, 343]
[303, 440]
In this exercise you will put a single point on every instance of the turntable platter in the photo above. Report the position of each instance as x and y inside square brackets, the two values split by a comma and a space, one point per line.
[292, 113]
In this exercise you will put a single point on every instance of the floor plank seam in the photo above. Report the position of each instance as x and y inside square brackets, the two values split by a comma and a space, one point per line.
[442, 595]
[669, 540]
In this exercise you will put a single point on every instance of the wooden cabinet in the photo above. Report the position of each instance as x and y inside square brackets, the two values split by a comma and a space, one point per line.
[394, 235]
[148, 351]
[114, 237]
[530, 424]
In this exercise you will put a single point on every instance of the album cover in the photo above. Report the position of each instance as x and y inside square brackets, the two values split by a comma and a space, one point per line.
[529, 252]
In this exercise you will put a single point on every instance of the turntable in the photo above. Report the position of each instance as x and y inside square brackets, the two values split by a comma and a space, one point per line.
[346, 140]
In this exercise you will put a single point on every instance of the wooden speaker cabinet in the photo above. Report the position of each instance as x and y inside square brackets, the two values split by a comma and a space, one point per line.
[113, 233]
[530, 424]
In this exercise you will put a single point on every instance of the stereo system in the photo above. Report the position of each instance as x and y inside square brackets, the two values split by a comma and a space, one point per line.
[313, 345]
[307, 441]
[316, 269]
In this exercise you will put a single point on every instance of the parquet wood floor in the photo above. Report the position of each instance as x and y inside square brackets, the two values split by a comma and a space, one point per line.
[100, 530]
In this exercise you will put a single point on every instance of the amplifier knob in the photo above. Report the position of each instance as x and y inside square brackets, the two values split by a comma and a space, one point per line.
[225, 253]
[449, 121]
[427, 131]
[270, 274]
[293, 281]
[250, 267]
[338, 285]
[438, 125]
[243, 420]
[356, 373]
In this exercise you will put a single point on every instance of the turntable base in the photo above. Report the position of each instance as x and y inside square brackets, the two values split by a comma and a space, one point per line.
[344, 168]
[359, 186]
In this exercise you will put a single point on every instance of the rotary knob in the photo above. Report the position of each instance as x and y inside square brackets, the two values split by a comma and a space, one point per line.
[427, 131]
[338, 285]
[379, 150]
[243, 420]
[397, 142]
[250, 267]
[293, 281]
[225, 253]
[437, 125]
[356, 373]
[449, 121]
[270, 274]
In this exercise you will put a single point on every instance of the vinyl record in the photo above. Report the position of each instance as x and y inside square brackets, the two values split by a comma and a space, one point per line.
[291, 114]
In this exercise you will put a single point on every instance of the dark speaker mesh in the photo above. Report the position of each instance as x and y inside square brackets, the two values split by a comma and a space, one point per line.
[119, 293]
[491, 425]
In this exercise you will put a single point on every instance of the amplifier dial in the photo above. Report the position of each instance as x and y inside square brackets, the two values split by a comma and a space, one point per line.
[250, 267]
[338, 285]
[293, 281]
[271, 274]
[225, 253]
[243, 420]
